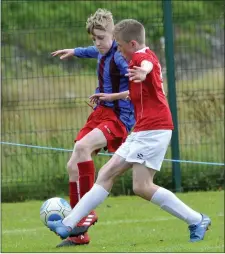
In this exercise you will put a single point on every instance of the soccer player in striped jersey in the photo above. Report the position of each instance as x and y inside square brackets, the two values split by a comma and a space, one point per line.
[110, 122]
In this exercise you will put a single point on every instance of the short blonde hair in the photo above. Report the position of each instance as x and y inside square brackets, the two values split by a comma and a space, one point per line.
[102, 19]
[130, 29]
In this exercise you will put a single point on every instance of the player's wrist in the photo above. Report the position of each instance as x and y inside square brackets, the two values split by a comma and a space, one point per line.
[115, 96]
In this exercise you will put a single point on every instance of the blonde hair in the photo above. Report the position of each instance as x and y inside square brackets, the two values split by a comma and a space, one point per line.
[130, 29]
[102, 19]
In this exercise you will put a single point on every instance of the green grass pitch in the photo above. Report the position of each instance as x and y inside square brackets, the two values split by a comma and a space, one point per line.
[126, 224]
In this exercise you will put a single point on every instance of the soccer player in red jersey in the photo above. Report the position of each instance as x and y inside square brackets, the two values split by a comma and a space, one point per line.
[145, 148]
[109, 123]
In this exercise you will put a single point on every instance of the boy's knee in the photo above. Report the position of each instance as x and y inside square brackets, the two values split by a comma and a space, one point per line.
[69, 165]
[81, 148]
[142, 189]
[138, 189]
[72, 168]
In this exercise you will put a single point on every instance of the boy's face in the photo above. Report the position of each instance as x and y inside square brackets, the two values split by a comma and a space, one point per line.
[126, 48]
[103, 40]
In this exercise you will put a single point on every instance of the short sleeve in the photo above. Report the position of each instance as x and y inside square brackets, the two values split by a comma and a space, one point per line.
[139, 57]
[89, 52]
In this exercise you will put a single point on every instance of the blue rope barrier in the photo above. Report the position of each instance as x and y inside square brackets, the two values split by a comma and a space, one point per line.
[107, 154]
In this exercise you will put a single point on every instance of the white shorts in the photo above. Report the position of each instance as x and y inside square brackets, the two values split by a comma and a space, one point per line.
[146, 147]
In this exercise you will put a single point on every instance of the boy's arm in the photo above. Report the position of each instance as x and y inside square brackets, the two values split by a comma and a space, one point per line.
[119, 96]
[109, 96]
[89, 52]
[138, 73]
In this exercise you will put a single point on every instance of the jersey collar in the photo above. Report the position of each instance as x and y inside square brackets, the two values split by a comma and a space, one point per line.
[142, 50]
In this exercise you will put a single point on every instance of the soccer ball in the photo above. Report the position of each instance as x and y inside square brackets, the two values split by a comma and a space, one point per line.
[54, 209]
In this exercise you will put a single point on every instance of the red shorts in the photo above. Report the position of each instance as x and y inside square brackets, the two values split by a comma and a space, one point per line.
[107, 121]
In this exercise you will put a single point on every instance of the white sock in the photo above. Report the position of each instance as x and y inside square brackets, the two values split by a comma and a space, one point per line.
[173, 205]
[87, 203]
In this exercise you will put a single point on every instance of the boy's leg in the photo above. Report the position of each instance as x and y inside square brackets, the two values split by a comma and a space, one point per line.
[98, 193]
[106, 177]
[147, 153]
[115, 133]
[92, 142]
[107, 131]
[74, 195]
[143, 186]
[79, 185]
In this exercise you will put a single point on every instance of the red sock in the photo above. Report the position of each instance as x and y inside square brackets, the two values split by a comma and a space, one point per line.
[86, 176]
[74, 195]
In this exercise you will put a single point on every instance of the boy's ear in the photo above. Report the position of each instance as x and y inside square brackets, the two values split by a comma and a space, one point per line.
[133, 43]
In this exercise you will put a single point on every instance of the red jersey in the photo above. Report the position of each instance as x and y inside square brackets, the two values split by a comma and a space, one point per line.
[150, 105]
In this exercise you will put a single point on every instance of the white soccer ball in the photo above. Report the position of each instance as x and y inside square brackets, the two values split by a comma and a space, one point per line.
[54, 209]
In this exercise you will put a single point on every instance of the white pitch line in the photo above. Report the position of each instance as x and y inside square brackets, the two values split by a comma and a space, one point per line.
[104, 223]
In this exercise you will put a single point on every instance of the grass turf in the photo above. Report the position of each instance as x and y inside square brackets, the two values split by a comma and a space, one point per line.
[126, 224]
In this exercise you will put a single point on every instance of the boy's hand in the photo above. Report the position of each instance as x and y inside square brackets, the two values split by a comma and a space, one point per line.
[137, 74]
[65, 53]
[95, 98]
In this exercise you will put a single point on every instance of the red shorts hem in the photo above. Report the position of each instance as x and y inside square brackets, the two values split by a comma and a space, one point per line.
[105, 119]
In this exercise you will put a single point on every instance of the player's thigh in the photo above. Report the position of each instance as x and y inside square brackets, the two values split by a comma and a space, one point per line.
[116, 166]
[93, 140]
[90, 142]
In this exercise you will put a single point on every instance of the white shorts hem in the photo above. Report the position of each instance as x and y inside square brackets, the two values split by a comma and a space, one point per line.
[147, 147]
